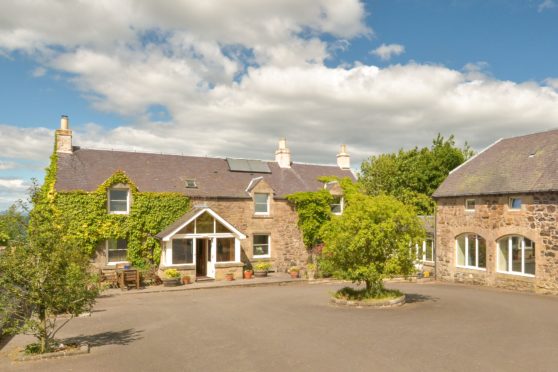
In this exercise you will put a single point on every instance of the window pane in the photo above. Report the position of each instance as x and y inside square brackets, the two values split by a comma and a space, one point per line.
[529, 257]
[225, 249]
[221, 228]
[182, 251]
[470, 204]
[117, 250]
[516, 253]
[482, 252]
[472, 250]
[261, 245]
[118, 206]
[204, 224]
[429, 250]
[461, 250]
[503, 254]
[188, 229]
[261, 203]
[119, 195]
[515, 203]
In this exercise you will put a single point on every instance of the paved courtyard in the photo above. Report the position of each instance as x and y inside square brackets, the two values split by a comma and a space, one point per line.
[293, 327]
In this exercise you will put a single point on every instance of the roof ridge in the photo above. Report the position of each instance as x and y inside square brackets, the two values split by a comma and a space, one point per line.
[530, 134]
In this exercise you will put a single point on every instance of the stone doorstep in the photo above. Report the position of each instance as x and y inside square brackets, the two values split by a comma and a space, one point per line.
[83, 349]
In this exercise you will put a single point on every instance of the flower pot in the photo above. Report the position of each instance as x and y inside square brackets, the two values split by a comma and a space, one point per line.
[294, 274]
[260, 274]
[185, 280]
[247, 275]
[311, 275]
[229, 277]
[171, 282]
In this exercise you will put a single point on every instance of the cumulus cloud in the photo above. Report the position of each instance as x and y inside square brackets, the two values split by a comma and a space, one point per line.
[546, 4]
[387, 51]
[236, 76]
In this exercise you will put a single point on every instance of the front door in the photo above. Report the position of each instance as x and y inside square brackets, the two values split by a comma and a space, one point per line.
[201, 257]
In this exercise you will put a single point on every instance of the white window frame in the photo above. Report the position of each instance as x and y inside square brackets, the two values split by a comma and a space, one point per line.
[266, 213]
[510, 203]
[510, 261]
[341, 204]
[467, 266]
[127, 200]
[193, 251]
[422, 257]
[107, 251]
[268, 255]
[467, 205]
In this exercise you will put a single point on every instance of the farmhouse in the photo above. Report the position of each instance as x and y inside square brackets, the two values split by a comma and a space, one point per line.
[496, 220]
[238, 209]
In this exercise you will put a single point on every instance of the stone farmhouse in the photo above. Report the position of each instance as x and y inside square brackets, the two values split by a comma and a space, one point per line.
[496, 220]
[239, 209]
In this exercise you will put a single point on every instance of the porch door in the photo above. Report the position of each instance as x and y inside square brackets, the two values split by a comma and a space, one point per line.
[211, 257]
[201, 257]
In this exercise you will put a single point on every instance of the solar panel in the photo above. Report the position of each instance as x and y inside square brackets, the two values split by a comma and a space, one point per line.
[245, 165]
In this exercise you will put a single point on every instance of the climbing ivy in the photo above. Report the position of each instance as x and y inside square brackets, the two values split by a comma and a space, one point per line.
[88, 223]
[314, 208]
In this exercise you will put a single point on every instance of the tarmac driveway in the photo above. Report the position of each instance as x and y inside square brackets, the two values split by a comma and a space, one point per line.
[443, 328]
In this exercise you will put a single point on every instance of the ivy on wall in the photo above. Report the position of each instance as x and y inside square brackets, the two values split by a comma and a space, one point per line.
[314, 208]
[88, 223]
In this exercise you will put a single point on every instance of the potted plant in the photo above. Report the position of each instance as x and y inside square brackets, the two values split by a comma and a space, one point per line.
[248, 274]
[311, 270]
[186, 279]
[229, 276]
[171, 278]
[294, 270]
[261, 269]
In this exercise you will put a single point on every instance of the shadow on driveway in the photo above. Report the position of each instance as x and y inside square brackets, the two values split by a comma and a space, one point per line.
[124, 337]
[417, 297]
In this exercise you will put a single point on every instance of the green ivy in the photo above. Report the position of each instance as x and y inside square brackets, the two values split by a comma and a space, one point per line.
[85, 214]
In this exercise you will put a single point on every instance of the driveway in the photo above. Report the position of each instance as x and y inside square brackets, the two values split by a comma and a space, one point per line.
[443, 328]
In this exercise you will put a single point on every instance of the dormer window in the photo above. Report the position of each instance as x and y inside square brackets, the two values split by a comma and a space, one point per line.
[261, 203]
[119, 201]
[191, 184]
[470, 205]
[337, 205]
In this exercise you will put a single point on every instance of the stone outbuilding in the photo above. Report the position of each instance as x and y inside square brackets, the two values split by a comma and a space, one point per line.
[496, 219]
[239, 213]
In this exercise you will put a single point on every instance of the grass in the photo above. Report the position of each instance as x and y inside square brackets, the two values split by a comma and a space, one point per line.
[352, 294]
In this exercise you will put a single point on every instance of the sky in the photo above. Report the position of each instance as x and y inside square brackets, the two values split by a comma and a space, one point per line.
[229, 78]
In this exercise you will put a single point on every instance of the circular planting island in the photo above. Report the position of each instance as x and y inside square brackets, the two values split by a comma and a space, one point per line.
[354, 298]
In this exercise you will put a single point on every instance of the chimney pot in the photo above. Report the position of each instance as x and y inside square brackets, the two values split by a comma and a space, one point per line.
[64, 136]
[343, 158]
[283, 154]
[64, 122]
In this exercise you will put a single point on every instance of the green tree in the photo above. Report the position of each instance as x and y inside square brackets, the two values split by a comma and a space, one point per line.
[44, 277]
[413, 175]
[13, 225]
[371, 241]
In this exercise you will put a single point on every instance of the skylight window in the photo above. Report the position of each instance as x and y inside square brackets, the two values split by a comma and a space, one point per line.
[191, 184]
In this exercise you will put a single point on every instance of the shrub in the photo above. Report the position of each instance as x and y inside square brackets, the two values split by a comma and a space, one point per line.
[172, 273]
[262, 266]
[353, 294]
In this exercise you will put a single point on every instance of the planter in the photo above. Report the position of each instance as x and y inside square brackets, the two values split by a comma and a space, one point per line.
[185, 280]
[171, 282]
[229, 277]
[247, 275]
[294, 274]
[260, 274]
[311, 275]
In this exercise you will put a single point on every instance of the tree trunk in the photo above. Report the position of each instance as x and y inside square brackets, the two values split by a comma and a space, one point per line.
[43, 334]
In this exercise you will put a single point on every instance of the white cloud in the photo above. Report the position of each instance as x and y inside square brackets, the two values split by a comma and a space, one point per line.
[39, 72]
[553, 83]
[13, 184]
[25, 143]
[5, 165]
[386, 52]
[546, 4]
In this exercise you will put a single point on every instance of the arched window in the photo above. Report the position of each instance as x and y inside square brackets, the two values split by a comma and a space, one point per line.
[470, 251]
[516, 255]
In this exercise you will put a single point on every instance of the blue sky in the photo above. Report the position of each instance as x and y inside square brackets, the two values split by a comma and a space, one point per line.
[230, 79]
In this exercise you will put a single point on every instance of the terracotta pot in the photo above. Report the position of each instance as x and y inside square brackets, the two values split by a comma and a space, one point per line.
[247, 275]
[294, 274]
[185, 280]
[229, 277]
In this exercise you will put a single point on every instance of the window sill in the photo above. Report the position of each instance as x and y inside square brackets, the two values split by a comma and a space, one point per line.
[263, 216]
[470, 268]
[125, 213]
[261, 257]
[511, 273]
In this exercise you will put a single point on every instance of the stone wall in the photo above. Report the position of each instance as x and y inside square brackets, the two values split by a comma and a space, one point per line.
[493, 219]
[286, 245]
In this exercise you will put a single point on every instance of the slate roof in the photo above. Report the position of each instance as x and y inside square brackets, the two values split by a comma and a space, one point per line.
[515, 165]
[86, 169]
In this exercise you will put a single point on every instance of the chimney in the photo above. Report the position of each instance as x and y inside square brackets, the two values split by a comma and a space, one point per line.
[283, 154]
[343, 158]
[64, 136]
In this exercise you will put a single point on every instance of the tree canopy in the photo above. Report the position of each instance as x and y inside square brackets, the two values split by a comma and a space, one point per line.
[371, 240]
[413, 175]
